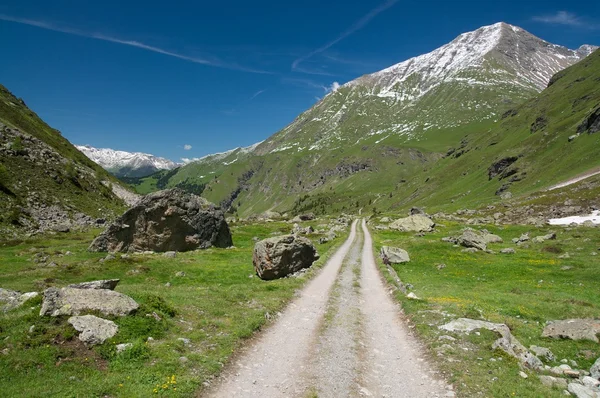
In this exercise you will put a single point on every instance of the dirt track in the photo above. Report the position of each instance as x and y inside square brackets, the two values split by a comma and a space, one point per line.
[342, 337]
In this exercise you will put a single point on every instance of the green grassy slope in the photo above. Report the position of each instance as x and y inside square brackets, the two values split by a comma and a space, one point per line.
[38, 165]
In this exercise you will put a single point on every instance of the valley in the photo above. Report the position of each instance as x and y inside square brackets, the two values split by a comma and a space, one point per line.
[427, 230]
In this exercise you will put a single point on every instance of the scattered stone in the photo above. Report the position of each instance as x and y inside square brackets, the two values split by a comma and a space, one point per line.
[170, 220]
[277, 257]
[523, 374]
[394, 255]
[93, 330]
[590, 382]
[168, 284]
[564, 256]
[123, 347]
[440, 266]
[508, 250]
[184, 340]
[170, 254]
[412, 296]
[180, 274]
[446, 337]
[581, 391]
[414, 223]
[109, 284]
[543, 238]
[385, 220]
[70, 301]
[469, 250]
[183, 359]
[542, 352]
[507, 343]
[574, 329]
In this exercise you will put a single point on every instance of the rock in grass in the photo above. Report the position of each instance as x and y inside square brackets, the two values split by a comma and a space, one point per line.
[508, 250]
[507, 343]
[71, 301]
[543, 238]
[581, 391]
[542, 352]
[553, 382]
[472, 239]
[595, 370]
[170, 220]
[109, 284]
[574, 329]
[93, 330]
[277, 257]
[394, 255]
[10, 299]
[414, 223]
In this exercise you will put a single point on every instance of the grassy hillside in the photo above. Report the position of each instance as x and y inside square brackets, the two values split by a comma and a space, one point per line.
[39, 169]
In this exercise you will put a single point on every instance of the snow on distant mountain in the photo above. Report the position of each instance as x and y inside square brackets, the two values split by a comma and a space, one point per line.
[127, 164]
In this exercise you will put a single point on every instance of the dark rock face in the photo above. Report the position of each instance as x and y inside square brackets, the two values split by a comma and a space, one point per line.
[591, 124]
[501, 168]
[170, 220]
[277, 257]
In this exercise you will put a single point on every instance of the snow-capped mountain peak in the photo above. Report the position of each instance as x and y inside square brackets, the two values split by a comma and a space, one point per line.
[127, 164]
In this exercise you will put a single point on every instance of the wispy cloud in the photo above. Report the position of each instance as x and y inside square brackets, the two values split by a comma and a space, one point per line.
[353, 28]
[560, 18]
[256, 94]
[333, 87]
[187, 147]
[132, 43]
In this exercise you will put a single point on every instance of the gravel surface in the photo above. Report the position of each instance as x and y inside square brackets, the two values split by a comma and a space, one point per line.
[349, 341]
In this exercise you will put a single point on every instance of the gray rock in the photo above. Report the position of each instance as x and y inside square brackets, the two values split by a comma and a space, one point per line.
[590, 382]
[394, 255]
[70, 301]
[170, 254]
[542, 352]
[277, 257]
[507, 343]
[10, 299]
[109, 284]
[180, 274]
[574, 329]
[93, 330]
[581, 391]
[508, 250]
[543, 238]
[170, 220]
[473, 239]
[469, 250]
[385, 220]
[123, 347]
[414, 223]
[595, 369]
[491, 238]
[553, 382]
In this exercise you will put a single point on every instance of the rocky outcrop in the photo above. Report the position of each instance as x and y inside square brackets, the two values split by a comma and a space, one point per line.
[72, 301]
[394, 255]
[414, 223]
[502, 168]
[277, 257]
[109, 284]
[507, 343]
[591, 124]
[574, 329]
[170, 220]
[93, 330]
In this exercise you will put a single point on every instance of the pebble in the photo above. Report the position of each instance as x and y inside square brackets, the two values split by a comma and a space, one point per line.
[523, 374]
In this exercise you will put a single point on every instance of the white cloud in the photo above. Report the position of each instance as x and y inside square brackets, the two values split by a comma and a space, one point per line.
[560, 18]
[187, 147]
[334, 87]
[188, 160]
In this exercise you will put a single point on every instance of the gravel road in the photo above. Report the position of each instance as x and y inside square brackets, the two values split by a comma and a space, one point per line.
[343, 336]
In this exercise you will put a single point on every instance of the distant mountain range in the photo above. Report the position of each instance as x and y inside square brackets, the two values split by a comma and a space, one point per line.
[127, 164]
[375, 140]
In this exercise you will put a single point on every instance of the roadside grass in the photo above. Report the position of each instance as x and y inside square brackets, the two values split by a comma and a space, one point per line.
[523, 290]
[217, 305]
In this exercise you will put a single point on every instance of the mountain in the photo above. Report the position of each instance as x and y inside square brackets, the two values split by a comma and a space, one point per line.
[45, 182]
[127, 164]
[374, 141]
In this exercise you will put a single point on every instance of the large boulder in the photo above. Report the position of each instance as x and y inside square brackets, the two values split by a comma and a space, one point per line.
[73, 301]
[471, 238]
[277, 257]
[574, 329]
[170, 220]
[414, 223]
[394, 255]
[93, 330]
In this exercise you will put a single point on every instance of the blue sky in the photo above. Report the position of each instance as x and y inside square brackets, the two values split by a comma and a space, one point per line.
[182, 79]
